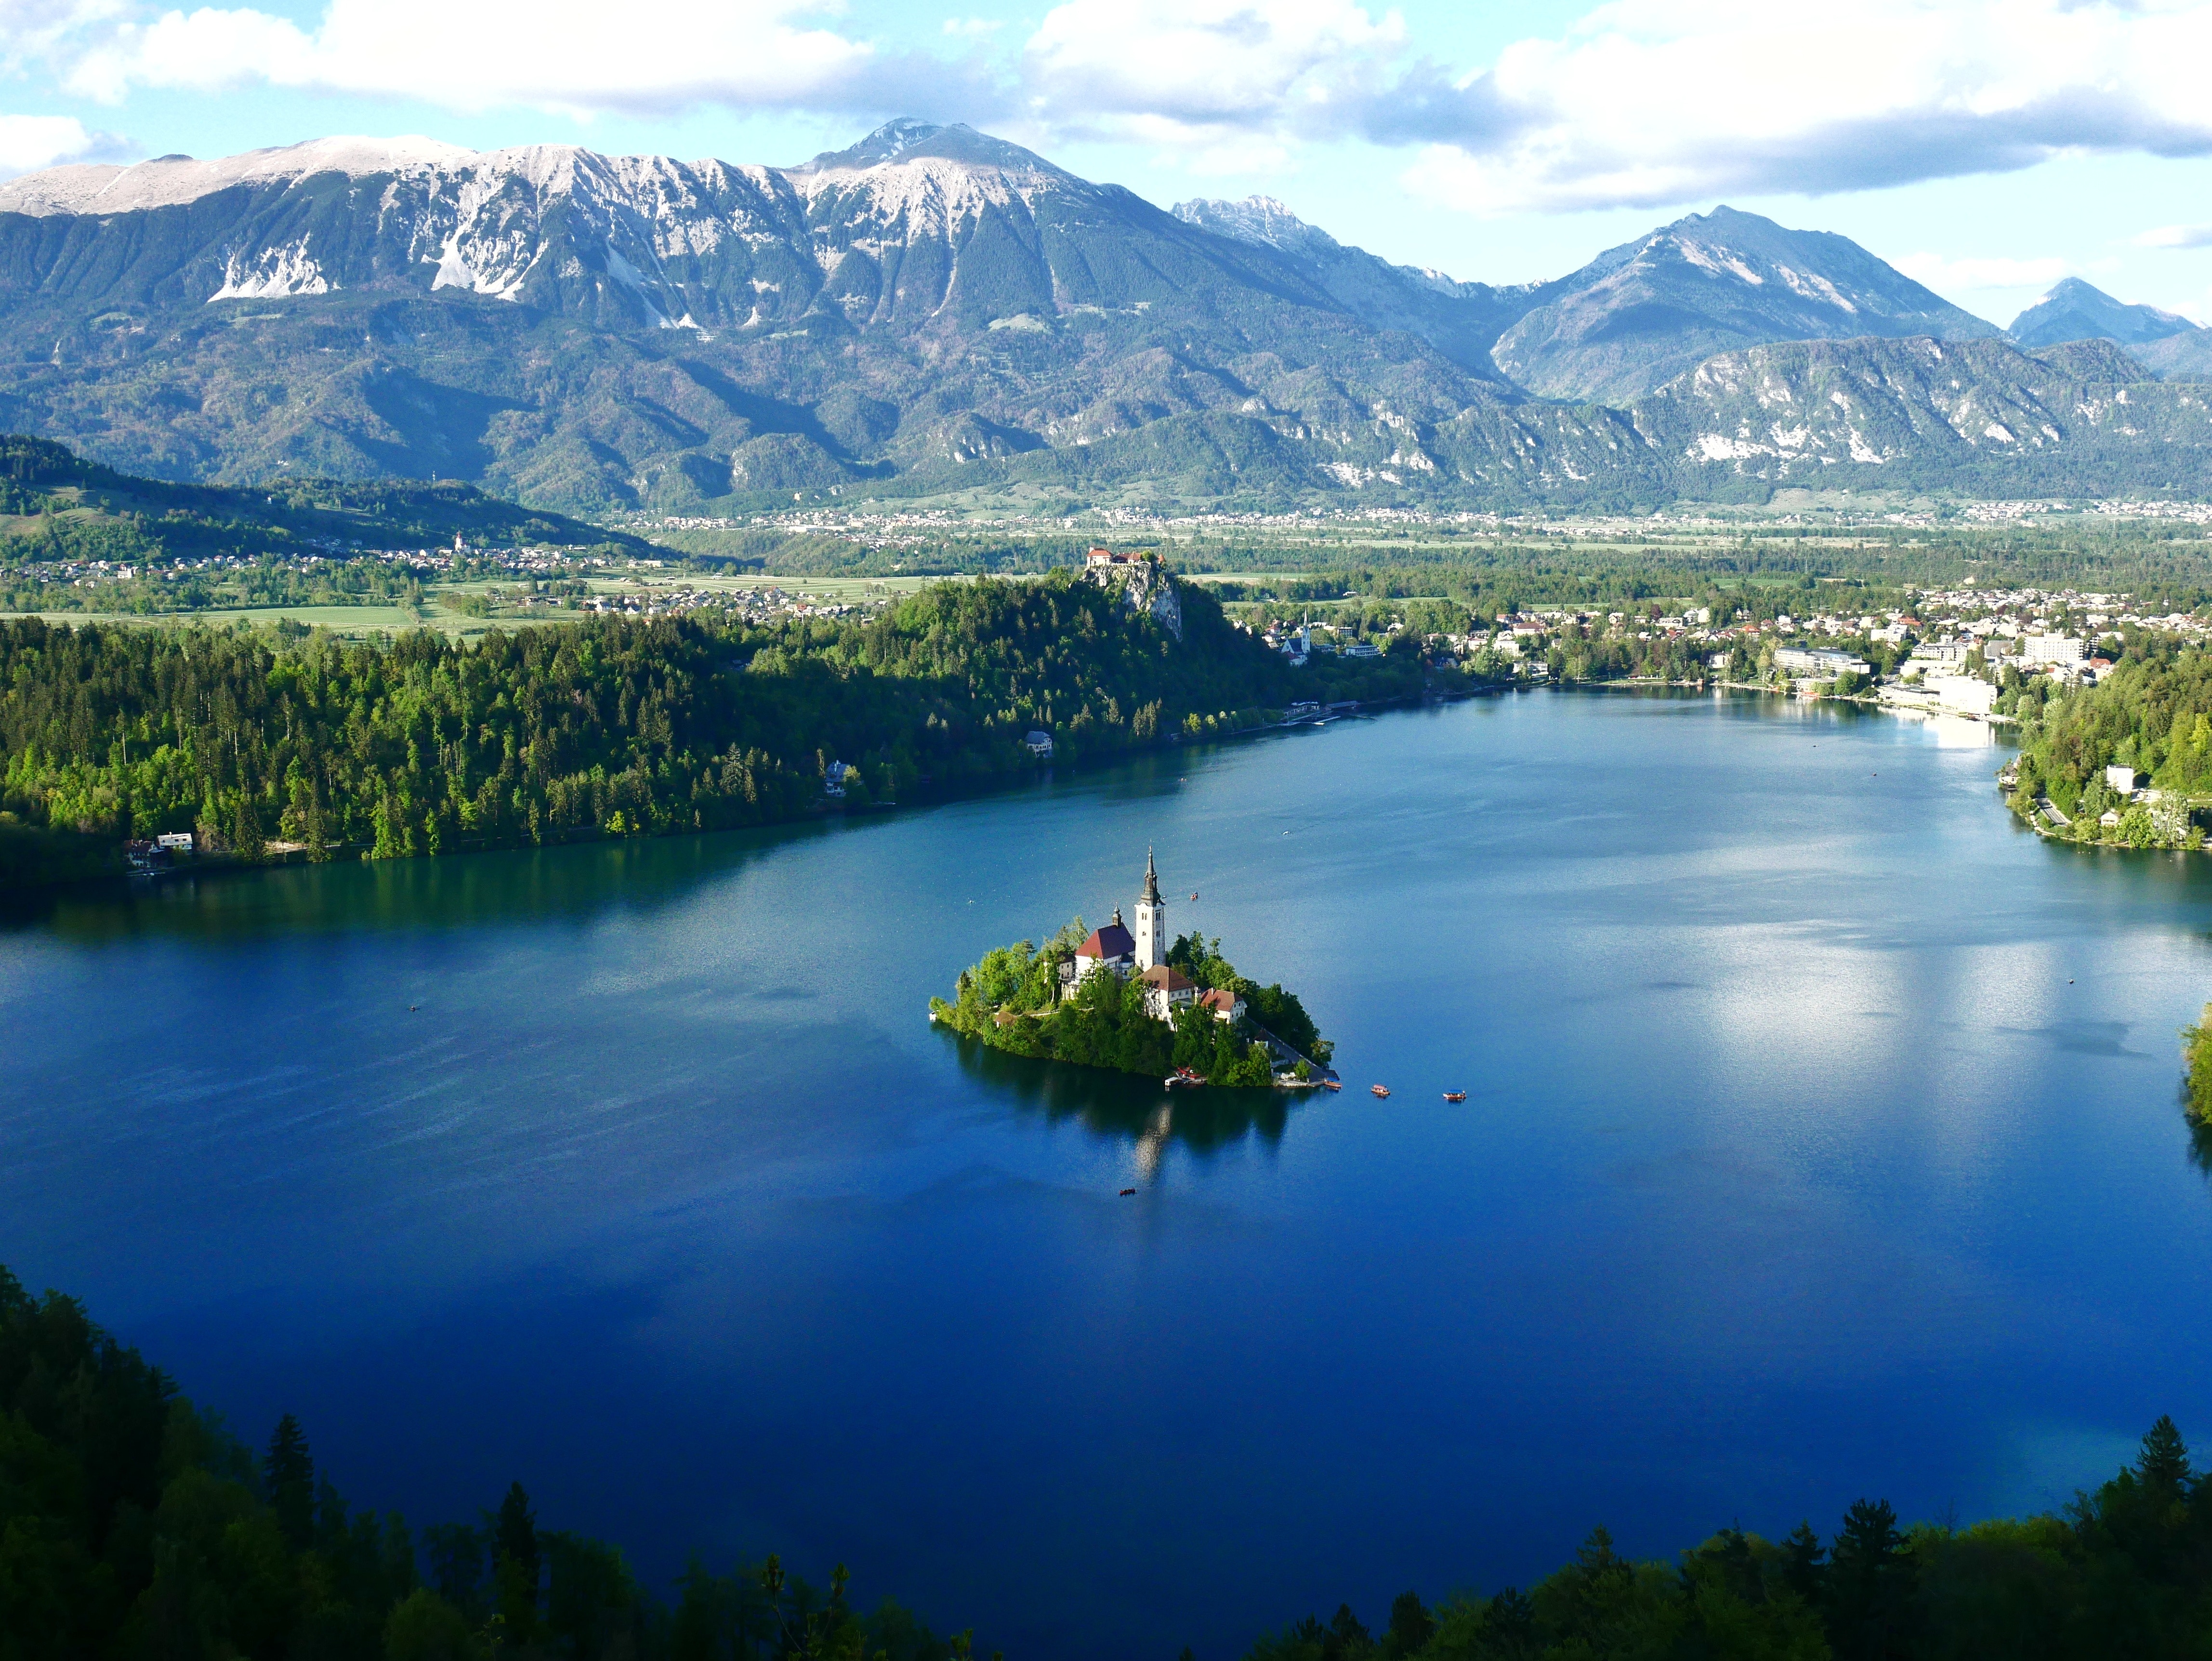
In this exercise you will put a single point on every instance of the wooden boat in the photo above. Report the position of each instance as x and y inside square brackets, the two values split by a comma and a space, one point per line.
[1331, 1084]
[1380, 1090]
[1455, 1095]
[1183, 1079]
[1127, 1192]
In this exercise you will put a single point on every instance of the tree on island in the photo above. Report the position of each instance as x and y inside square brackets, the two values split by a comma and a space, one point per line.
[1010, 1000]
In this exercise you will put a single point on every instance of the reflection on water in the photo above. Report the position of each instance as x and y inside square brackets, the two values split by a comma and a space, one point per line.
[2200, 1133]
[1124, 1104]
[1819, 1147]
[568, 884]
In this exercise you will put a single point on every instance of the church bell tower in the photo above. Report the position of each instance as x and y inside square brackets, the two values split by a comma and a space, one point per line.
[1151, 920]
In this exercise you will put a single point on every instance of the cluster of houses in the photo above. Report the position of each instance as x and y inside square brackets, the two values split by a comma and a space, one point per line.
[148, 855]
[1114, 950]
[1299, 644]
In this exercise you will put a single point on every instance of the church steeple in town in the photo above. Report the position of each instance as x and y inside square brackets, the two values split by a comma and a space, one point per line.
[1151, 920]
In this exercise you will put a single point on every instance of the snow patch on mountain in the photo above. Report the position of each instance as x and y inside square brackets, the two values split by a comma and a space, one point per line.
[168, 181]
[273, 274]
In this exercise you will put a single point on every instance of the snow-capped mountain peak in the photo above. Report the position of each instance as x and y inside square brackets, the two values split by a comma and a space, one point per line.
[173, 180]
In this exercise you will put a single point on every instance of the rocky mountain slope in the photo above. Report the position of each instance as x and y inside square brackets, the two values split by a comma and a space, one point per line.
[2074, 310]
[591, 330]
[2167, 344]
[933, 309]
[1642, 313]
[1460, 320]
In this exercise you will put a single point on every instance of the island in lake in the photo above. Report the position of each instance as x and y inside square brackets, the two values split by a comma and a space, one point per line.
[1109, 998]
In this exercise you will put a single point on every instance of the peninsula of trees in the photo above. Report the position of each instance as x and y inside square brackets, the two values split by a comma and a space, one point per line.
[416, 745]
[2150, 718]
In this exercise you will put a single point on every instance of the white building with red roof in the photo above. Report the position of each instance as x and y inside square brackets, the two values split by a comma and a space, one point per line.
[1114, 947]
[1111, 947]
[1167, 989]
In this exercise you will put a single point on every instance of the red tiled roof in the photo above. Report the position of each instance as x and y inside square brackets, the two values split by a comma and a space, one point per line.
[1167, 975]
[1111, 942]
[1219, 998]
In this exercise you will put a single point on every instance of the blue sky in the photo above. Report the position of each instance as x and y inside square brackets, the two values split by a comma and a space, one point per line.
[1987, 147]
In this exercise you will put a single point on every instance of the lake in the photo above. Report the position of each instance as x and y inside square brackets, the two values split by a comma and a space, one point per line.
[1822, 1139]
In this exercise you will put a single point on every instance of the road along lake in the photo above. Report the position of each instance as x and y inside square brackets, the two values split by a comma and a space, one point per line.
[1821, 1139]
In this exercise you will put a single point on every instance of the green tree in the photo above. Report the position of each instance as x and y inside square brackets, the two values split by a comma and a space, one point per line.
[288, 1469]
[1870, 1581]
[515, 1559]
[2196, 1052]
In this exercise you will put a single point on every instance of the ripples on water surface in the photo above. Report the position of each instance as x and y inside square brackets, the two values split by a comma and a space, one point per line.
[1821, 1139]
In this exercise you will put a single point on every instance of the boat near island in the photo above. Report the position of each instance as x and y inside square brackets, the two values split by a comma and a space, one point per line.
[1184, 1078]
[1455, 1095]
[1380, 1089]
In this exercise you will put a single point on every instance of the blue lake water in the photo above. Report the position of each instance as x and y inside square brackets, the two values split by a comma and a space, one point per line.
[1822, 1140]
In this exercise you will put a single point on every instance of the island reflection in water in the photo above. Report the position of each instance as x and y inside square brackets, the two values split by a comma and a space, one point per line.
[1825, 1149]
[1124, 1105]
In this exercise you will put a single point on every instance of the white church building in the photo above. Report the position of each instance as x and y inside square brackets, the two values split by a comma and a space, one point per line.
[1116, 950]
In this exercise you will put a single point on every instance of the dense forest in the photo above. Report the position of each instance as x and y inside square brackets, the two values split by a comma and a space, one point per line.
[416, 744]
[1012, 1001]
[2125, 1571]
[2153, 712]
[133, 1524]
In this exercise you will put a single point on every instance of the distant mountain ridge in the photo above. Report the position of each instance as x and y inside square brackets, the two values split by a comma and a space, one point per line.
[1642, 313]
[1460, 320]
[2075, 310]
[2165, 342]
[933, 309]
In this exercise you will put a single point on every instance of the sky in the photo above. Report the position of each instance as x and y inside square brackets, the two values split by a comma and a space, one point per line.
[1986, 146]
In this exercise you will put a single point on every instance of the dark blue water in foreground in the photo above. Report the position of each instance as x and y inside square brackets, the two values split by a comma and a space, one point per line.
[1822, 1140]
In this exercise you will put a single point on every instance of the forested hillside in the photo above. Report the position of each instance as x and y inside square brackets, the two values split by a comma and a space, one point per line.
[132, 1525]
[419, 746]
[2124, 1571]
[2152, 713]
[57, 506]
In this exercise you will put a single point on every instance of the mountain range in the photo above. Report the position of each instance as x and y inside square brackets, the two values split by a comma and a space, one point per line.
[934, 309]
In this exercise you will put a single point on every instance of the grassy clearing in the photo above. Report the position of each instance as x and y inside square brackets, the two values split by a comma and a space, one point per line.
[357, 621]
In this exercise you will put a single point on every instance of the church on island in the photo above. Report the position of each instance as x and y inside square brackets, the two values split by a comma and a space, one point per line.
[1115, 951]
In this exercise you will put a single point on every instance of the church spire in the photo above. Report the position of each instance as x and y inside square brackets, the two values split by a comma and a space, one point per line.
[1151, 920]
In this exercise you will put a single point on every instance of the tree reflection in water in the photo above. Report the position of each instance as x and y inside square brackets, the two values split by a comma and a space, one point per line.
[1123, 1104]
[2200, 1135]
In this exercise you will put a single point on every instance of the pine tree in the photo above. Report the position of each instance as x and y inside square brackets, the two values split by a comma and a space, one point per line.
[2164, 1463]
[1871, 1579]
[289, 1470]
[1410, 1625]
[1801, 1569]
[515, 1541]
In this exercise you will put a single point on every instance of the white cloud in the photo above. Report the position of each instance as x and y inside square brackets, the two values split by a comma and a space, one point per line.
[28, 142]
[1948, 276]
[1647, 102]
[2177, 237]
[1205, 71]
[1643, 103]
[481, 54]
